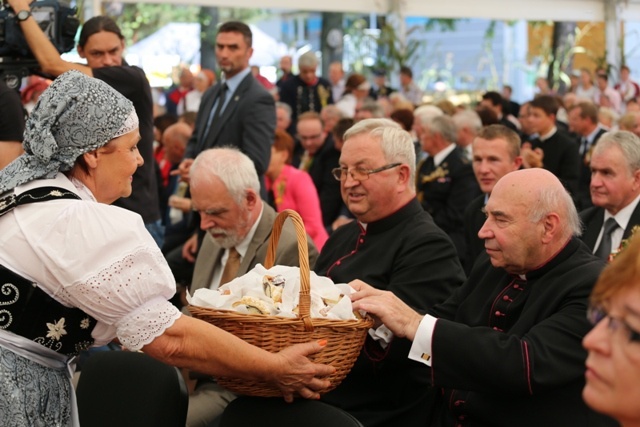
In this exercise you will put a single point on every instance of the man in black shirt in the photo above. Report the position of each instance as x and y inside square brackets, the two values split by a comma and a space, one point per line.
[102, 44]
[11, 124]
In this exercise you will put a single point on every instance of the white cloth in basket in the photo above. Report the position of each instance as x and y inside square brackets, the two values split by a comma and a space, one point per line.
[328, 300]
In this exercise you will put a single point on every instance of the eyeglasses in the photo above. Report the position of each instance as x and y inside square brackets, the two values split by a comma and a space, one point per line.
[309, 138]
[595, 314]
[359, 174]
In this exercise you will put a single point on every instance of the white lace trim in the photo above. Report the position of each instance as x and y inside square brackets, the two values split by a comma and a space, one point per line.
[147, 323]
[129, 124]
[130, 295]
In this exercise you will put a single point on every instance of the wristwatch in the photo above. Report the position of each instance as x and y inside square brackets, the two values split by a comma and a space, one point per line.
[23, 15]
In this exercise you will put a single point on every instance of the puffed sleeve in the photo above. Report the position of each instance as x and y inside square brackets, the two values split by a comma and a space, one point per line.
[106, 263]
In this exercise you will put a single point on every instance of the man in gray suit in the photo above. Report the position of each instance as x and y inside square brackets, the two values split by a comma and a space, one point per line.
[225, 191]
[237, 111]
[615, 193]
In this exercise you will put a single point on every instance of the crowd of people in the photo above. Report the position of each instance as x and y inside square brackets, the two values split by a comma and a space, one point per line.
[474, 234]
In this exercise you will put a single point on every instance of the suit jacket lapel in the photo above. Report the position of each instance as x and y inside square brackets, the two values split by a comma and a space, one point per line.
[207, 266]
[633, 221]
[232, 104]
[206, 108]
[593, 228]
[260, 237]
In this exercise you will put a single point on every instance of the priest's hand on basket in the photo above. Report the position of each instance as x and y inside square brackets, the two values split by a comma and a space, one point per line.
[387, 308]
[298, 375]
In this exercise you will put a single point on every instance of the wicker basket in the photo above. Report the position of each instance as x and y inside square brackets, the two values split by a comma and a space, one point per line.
[344, 337]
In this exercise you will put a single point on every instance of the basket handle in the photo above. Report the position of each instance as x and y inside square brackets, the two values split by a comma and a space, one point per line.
[304, 303]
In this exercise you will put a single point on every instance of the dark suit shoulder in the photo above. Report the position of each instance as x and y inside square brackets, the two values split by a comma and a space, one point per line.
[587, 215]
[457, 161]
[475, 207]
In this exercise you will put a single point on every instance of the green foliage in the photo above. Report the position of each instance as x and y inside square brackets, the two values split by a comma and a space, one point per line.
[139, 20]
[442, 24]
[395, 51]
[557, 61]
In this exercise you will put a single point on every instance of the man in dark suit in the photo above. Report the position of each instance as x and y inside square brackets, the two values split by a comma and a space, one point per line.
[238, 224]
[615, 192]
[101, 44]
[506, 348]
[445, 183]
[11, 124]
[552, 149]
[285, 68]
[394, 245]
[583, 121]
[496, 152]
[318, 159]
[238, 111]
[379, 88]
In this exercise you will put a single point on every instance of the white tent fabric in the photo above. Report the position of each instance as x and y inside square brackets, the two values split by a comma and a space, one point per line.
[556, 10]
[609, 11]
[183, 40]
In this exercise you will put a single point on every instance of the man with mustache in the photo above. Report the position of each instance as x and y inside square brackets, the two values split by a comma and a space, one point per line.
[225, 191]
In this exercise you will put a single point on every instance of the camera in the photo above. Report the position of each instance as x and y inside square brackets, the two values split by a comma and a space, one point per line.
[59, 24]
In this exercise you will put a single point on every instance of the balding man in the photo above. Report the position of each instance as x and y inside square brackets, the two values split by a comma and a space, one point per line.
[505, 349]
[174, 141]
[615, 192]
[286, 63]
[394, 245]
[496, 152]
[175, 207]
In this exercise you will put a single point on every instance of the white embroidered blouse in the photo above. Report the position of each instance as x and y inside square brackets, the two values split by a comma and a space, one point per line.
[97, 257]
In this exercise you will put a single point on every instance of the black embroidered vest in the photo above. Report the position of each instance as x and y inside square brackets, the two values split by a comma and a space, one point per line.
[27, 310]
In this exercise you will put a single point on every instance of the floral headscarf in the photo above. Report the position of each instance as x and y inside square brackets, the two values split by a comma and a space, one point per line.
[75, 115]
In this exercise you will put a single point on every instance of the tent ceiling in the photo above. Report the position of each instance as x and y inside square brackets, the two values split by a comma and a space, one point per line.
[533, 10]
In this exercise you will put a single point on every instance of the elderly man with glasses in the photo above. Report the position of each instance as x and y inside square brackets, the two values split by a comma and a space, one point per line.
[393, 245]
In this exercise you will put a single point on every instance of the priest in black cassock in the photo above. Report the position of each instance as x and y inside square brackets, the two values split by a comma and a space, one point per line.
[394, 245]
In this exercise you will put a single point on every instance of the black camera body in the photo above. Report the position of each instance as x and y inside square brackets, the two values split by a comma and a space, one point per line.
[58, 23]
